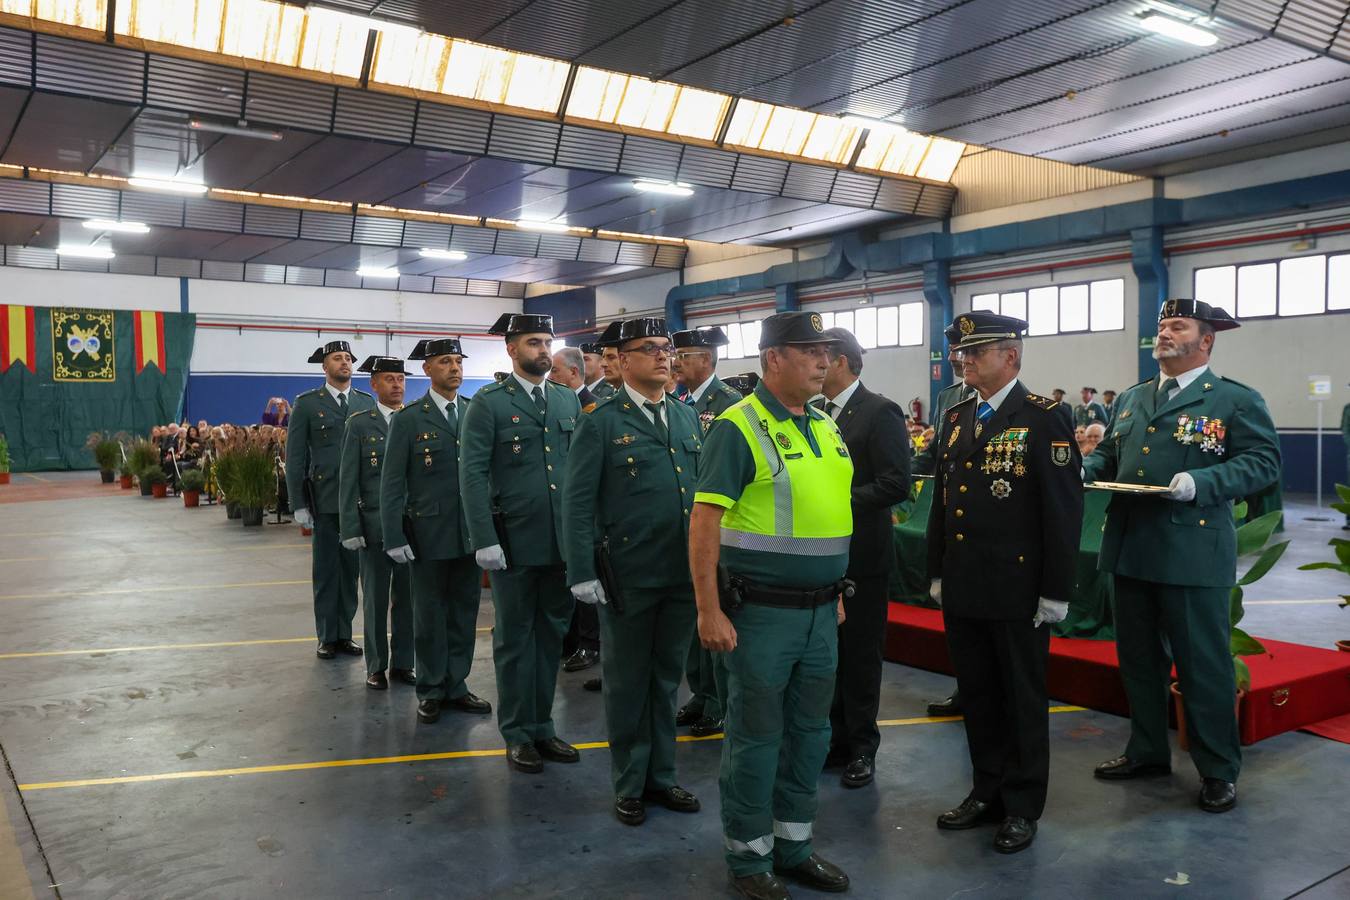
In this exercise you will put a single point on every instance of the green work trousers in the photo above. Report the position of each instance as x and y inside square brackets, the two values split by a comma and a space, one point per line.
[386, 606]
[446, 595]
[533, 608]
[707, 676]
[334, 572]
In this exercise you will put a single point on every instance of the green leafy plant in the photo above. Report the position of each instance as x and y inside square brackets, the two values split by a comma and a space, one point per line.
[1341, 545]
[226, 464]
[1252, 540]
[143, 454]
[192, 480]
[152, 474]
[254, 479]
[107, 452]
[4, 454]
[125, 468]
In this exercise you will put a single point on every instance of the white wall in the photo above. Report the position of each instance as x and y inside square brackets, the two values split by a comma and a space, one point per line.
[51, 287]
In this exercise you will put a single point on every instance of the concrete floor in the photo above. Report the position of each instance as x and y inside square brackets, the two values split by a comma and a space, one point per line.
[82, 577]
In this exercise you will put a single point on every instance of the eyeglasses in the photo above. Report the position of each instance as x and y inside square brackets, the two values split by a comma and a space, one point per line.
[652, 350]
[975, 352]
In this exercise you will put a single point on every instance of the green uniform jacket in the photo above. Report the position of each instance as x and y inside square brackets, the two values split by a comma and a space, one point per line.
[1086, 413]
[926, 459]
[627, 484]
[512, 460]
[314, 446]
[359, 482]
[1151, 440]
[717, 399]
[602, 391]
[421, 481]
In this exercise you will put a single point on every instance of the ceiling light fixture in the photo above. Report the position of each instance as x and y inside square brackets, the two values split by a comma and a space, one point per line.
[673, 188]
[242, 129]
[1181, 31]
[86, 252]
[376, 272]
[370, 22]
[431, 253]
[114, 225]
[537, 225]
[173, 185]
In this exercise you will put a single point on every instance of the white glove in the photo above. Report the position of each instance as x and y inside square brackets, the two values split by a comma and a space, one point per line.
[492, 558]
[303, 518]
[590, 592]
[1051, 611]
[1182, 487]
[356, 543]
[402, 554]
[935, 591]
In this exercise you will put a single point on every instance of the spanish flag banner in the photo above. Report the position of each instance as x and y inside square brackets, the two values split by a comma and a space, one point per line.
[18, 342]
[149, 340]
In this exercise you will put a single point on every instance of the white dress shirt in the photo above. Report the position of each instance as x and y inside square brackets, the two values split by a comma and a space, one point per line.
[442, 402]
[386, 411]
[640, 400]
[841, 399]
[1183, 380]
[999, 396]
[336, 394]
[528, 386]
[697, 395]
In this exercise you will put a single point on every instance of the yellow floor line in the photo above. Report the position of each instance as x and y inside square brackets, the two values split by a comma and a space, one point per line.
[186, 551]
[390, 760]
[89, 651]
[181, 588]
[1291, 602]
[37, 478]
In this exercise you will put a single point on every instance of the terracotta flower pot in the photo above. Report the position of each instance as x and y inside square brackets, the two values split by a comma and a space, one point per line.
[159, 490]
[107, 475]
[191, 499]
[4, 478]
[126, 482]
[1183, 741]
[306, 532]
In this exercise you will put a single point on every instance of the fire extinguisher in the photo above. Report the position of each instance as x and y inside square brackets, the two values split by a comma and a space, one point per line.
[916, 409]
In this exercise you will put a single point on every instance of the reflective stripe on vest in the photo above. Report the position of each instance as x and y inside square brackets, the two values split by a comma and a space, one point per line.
[810, 516]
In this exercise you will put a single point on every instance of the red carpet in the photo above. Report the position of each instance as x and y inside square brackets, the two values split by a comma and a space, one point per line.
[1337, 729]
[1293, 686]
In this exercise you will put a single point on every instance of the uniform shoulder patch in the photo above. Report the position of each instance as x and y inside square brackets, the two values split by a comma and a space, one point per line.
[1042, 402]
[729, 391]
[490, 388]
[1238, 383]
[312, 392]
[362, 393]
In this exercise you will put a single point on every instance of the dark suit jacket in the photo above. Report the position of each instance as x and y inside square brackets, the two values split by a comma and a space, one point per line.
[586, 399]
[1004, 531]
[874, 431]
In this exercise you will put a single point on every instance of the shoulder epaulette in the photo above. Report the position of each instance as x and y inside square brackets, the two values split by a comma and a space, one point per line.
[360, 412]
[1042, 402]
[1238, 383]
[729, 391]
[489, 388]
[967, 399]
[362, 393]
[312, 392]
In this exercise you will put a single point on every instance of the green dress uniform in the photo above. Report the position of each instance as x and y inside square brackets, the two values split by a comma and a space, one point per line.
[386, 601]
[421, 506]
[1174, 562]
[314, 456]
[785, 483]
[925, 461]
[602, 391]
[630, 486]
[1345, 435]
[703, 668]
[1084, 414]
[512, 468]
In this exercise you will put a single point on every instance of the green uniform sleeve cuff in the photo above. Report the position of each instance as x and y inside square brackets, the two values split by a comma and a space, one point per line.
[715, 499]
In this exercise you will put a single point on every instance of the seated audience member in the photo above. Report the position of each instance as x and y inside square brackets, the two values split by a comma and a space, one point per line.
[1079, 435]
[1092, 436]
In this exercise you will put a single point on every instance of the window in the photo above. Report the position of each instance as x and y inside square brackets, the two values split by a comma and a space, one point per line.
[1295, 286]
[873, 326]
[1061, 309]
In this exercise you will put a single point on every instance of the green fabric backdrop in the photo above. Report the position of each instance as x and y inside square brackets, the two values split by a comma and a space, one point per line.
[46, 422]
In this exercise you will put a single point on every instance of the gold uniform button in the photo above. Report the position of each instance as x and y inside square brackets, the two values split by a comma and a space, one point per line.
[1145, 451]
[1202, 521]
[630, 459]
[960, 537]
[1021, 559]
[678, 469]
[552, 487]
[550, 468]
[1151, 429]
[969, 464]
[672, 451]
[962, 489]
[682, 491]
[960, 513]
[548, 449]
[545, 429]
[686, 512]
[1140, 473]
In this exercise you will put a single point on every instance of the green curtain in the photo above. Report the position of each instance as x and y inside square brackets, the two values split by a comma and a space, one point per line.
[47, 421]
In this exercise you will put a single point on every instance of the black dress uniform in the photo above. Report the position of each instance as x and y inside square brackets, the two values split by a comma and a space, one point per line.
[1002, 534]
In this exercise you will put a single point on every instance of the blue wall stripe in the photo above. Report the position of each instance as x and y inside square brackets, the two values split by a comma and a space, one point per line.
[240, 399]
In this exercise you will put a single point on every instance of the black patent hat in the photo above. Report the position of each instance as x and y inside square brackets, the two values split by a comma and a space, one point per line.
[981, 327]
[610, 336]
[1186, 308]
[376, 364]
[522, 323]
[711, 338]
[434, 347]
[321, 353]
[647, 326]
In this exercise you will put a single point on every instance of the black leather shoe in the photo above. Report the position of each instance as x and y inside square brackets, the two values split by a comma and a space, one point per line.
[817, 873]
[349, 647]
[407, 676]
[470, 703]
[557, 750]
[858, 773]
[377, 682]
[949, 707]
[673, 798]
[706, 727]
[326, 651]
[1122, 768]
[761, 886]
[687, 715]
[629, 810]
[1217, 796]
[428, 710]
[1016, 833]
[970, 813]
[591, 684]
[524, 758]
[582, 659]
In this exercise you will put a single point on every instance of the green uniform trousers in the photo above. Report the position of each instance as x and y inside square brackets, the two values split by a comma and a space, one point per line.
[780, 681]
[707, 675]
[386, 586]
[533, 608]
[1156, 624]
[334, 571]
[446, 594]
[644, 652]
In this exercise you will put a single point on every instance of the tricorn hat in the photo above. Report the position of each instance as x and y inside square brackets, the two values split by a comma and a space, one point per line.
[374, 364]
[436, 347]
[712, 338]
[1187, 308]
[331, 347]
[610, 336]
[646, 326]
[522, 323]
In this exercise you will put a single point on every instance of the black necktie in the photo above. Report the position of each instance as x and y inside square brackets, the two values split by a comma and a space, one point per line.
[1167, 387]
[655, 410]
[538, 394]
[830, 407]
[342, 403]
[451, 416]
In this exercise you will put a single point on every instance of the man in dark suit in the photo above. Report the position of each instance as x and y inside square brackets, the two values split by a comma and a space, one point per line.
[1002, 540]
[874, 431]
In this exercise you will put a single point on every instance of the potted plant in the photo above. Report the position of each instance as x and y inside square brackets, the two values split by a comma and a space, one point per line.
[1252, 539]
[4, 460]
[126, 474]
[1342, 546]
[154, 483]
[107, 452]
[226, 465]
[143, 453]
[190, 486]
[255, 484]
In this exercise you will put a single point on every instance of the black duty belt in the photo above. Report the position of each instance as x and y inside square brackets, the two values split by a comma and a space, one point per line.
[736, 590]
